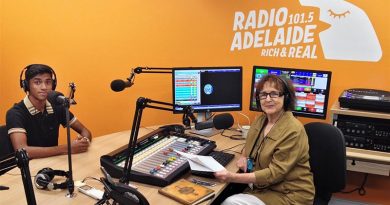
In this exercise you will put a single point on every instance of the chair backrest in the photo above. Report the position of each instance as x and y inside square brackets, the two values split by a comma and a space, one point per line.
[5, 142]
[327, 158]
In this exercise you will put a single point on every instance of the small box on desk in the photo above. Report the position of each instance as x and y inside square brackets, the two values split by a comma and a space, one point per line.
[187, 192]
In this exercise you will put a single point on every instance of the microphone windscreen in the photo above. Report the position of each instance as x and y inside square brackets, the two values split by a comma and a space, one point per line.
[118, 85]
[52, 97]
[223, 121]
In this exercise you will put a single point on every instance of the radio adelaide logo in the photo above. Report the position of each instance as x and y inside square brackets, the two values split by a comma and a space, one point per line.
[277, 32]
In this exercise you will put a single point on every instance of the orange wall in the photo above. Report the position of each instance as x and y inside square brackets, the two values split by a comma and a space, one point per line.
[92, 42]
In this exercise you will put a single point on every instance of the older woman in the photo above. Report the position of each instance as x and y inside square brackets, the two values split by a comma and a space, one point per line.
[275, 160]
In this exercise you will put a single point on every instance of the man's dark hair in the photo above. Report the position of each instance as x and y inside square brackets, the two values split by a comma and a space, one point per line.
[37, 69]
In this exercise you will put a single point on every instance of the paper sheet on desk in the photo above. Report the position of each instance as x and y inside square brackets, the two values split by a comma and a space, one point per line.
[202, 163]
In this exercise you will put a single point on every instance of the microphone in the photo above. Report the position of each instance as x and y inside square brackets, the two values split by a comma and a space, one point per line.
[56, 97]
[119, 85]
[221, 121]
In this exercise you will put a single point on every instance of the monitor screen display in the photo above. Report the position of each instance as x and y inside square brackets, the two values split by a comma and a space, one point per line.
[207, 89]
[311, 88]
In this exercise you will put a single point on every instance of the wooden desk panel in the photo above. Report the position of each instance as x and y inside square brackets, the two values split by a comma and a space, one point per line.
[88, 164]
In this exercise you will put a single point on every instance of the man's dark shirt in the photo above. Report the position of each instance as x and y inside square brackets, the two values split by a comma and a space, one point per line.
[41, 128]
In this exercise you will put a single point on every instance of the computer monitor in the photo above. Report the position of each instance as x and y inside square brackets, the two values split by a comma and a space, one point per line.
[207, 89]
[311, 88]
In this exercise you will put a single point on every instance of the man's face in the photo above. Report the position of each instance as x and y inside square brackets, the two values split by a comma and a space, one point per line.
[40, 85]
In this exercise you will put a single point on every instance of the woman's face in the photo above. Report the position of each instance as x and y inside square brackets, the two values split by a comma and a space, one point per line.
[271, 99]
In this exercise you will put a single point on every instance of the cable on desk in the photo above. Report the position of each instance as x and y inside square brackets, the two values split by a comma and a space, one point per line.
[229, 148]
[14, 174]
[32, 176]
[242, 149]
[149, 128]
[233, 137]
[210, 117]
[81, 181]
[360, 189]
[86, 178]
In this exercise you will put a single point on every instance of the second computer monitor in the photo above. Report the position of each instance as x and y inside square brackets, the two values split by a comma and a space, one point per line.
[311, 88]
[207, 89]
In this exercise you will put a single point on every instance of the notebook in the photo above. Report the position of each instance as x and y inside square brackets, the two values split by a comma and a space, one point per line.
[187, 192]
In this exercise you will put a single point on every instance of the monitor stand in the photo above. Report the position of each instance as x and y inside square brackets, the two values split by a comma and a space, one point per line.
[201, 117]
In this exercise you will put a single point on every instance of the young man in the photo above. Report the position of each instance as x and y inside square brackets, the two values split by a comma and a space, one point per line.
[33, 123]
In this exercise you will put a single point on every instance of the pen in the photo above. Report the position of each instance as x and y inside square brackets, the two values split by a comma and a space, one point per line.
[204, 183]
[4, 187]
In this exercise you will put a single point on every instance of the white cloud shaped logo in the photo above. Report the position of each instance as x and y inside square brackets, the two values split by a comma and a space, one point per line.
[351, 35]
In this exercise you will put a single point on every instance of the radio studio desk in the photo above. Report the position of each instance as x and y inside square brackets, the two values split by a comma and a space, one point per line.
[88, 165]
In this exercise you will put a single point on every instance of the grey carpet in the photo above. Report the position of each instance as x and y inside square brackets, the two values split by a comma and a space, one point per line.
[338, 201]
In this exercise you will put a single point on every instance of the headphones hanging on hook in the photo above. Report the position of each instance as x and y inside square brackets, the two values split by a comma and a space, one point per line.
[44, 177]
[24, 82]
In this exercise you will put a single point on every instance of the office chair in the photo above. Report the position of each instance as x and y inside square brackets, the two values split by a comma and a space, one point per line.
[327, 160]
[5, 142]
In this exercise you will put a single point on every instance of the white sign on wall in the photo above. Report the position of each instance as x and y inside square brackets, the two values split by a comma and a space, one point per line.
[278, 33]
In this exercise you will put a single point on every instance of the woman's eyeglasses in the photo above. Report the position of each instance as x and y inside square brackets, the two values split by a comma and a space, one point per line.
[273, 94]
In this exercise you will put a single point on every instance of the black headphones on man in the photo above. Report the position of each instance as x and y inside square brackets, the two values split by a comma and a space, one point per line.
[45, 176]
[24, 82]
[286, 93]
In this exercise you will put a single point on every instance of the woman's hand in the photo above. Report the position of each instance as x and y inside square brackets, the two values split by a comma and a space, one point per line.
[223, 176]
[241, 163]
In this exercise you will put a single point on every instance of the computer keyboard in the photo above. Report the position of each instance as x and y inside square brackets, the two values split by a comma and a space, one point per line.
[222, 157]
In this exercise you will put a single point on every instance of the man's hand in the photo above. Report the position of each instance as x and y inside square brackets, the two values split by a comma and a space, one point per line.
[81, 144]
[81, 138]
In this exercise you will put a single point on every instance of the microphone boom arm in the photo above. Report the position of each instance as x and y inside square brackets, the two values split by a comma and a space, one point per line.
[68, 101]
[21, 160]
[139, 70]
